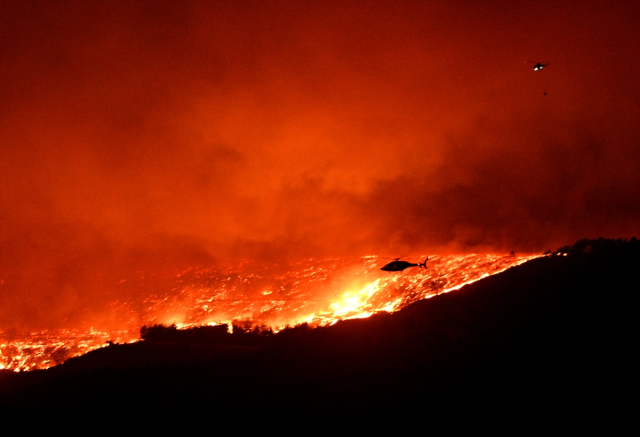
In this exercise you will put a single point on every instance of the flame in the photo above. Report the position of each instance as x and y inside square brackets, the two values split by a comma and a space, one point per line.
[319, 292]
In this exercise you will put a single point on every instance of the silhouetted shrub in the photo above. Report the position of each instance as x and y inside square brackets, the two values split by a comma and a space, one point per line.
[159, 332]
[243, 334]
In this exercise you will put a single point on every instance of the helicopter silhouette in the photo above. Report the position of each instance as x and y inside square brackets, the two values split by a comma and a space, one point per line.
[539, 66]
[398, 266]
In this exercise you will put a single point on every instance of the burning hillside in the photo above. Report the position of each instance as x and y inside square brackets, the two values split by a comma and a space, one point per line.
[315, 291]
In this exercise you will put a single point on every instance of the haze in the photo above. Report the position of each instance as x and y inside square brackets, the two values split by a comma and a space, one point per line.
[160, 135]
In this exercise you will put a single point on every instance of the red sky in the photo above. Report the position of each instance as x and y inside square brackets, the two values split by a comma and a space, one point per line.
[162, 134]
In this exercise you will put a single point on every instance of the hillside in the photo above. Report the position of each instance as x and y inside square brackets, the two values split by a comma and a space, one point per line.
[554, 330]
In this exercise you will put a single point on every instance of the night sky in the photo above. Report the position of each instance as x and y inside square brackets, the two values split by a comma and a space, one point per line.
[158, 135]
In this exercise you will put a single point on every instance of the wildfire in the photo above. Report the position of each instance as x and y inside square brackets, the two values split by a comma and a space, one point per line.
[315, 291]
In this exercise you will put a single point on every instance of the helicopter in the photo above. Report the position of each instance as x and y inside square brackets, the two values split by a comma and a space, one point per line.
[398, 266]
[539, 66]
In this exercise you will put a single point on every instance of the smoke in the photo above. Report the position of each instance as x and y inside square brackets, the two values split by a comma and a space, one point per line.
[159, 135]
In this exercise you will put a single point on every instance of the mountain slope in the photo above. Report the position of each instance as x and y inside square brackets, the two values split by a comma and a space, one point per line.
[554, 330]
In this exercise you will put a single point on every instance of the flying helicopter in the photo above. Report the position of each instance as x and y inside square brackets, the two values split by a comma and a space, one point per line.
[398, 266]
[539, 66]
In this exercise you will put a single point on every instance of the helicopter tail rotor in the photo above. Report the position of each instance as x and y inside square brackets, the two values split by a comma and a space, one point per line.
[424, 264]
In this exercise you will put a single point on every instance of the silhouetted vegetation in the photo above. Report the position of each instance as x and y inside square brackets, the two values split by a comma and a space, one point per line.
[241, 335]
[551, 333]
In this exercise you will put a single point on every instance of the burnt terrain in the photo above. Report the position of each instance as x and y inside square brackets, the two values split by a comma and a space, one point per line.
[552, 336]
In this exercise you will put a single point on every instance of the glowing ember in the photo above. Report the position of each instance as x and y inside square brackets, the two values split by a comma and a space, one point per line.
[318, 292]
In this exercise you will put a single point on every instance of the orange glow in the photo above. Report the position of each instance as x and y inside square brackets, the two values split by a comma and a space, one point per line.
[143, 142]
[315, 291]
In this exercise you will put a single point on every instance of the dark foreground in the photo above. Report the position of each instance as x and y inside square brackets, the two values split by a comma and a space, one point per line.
[552, 337]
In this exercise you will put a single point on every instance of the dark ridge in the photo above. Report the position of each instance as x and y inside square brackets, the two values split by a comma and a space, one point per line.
[550, 335]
